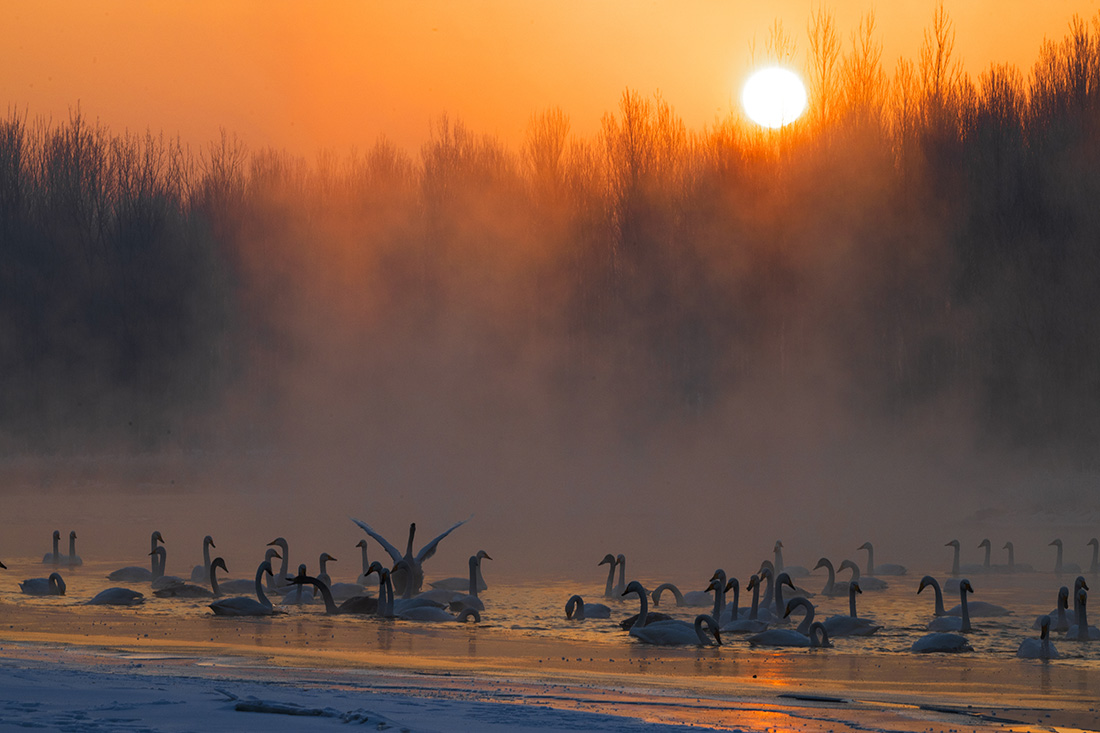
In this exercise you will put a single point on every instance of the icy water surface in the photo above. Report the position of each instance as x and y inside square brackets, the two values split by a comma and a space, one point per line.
[524, 634]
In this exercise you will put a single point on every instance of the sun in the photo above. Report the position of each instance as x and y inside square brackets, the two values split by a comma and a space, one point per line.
[774, 97]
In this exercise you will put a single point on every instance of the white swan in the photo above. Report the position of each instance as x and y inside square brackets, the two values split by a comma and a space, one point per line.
[201, 573]
[773, 574]
[795, 571]
[929, 581]
[1081, 631]
[852, 624]
[718, 583]
[679, 633]
[296, 593]
[117, 597]
[806, 635]
[54, 558]
[609, 591]
[243, 605]
[461, 584]
[407, 599]
[51, 586]
[1063, 567]
[72, 559]
[888, 568]
[281, 578]
[832, 586]
[415, 562]
[960, 623]
[190, 590]
[978, 608]
[941, 642]
[362, 545]
[693, 598]
[620, 586]
[160, 561]
[577, 610]
[1060, 622]
[470, 600]
[135, 573]
[1013, 566]
[986, 566]
[780, 606]
[1041, 648]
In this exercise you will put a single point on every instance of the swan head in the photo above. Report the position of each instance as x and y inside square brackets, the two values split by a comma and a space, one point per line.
[218, 562]
[778, 545]
[712, 625]
[634, 587]
[764, 572]
[325, 557]
[732, 584]
[1093, 543]
[926, 581]
[952, 543]
[265, 567]
[620, 559]
[853, 588]
[1044, 627]
[208, 540]
[1082, 596]
[571, 607]
[1055, 543]
[819, 635]
[361, 543]
[156, 536]
[72, 535]
[56, 535]
[2, 565]
[375, 567]
[714, 585]
[985, 543]
[1063, 597]
[607, 559]
[272, 553]
[965, 587]
[1008, 546]
[280, 542]
[163, 553]
[785, 579]
[720, 576]
[824, 563]
[865, 546]
[1080, 583]
[848, 564]
[769, 565]
[482, 555]
[795, 603]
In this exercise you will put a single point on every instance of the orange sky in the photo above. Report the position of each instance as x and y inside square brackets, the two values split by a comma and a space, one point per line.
[311, 75]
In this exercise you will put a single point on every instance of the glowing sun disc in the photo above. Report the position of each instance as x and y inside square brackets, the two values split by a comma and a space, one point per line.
[774, 97]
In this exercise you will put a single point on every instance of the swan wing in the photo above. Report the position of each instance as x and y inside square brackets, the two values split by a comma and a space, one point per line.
[429, 549]
[392, 551]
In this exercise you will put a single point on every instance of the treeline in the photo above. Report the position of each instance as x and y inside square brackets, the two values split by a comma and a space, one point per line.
[920, 238]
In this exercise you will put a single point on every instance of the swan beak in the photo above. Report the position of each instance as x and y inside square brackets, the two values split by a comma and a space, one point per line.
[277, 555]
[2, 565]
[718, 636]
[487, 557]
[1052, 544]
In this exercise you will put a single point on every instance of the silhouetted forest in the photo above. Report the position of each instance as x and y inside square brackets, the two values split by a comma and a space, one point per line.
[920, 239]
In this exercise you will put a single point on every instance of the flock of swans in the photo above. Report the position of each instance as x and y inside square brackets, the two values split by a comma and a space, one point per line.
[766, 621]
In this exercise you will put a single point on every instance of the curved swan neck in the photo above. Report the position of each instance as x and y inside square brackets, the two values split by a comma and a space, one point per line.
[988, 549]
[608, 591]
[214, 581]
[955, 560]
[574, 608]
[206, 554]
[644, 612]
[56, 548]
[621, 562]
[265, 566]
[755, 610]
[870, 559]
[72, 546]
[964, 590]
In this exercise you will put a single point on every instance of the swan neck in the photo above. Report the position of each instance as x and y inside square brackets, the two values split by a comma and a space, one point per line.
[366, 565]
[644, 612]
[206, 556]
[473, 576]
[607, 592]
[852, 601]
[260, 587]
[955, 561]
[870, 560]
[719, 600]
[965, 611]
[214, 582]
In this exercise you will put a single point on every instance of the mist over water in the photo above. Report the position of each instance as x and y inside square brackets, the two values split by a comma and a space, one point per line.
[678, 345]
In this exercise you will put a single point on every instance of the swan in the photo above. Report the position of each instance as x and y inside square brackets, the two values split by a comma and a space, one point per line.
[1041, 648]
[362, 579]
[1013, 566]
[1094, 567]
[832, 587]
[117, 597]
[795, 571]
[609, 590]
[1078, 584]
[779, 604]
[51, 586]
[415, 563]
[988, 546]
[135, 573]
[694, 598]
[644, 616]
[752, 624]
[431, 613]
[189, 590]
[956, 568]
[201, 573]
[960, 623]
[54, 558]
[679, 633]
[243, 605]
[1061, 621]
[340, 591]
[160, 580]
[1061, 567]
[941, 642]
[852, 624]
[470, 600]
[804, 636]
[459, 583]
[867, 583]
[718, 584]
[1081, 631]
[883, 569]
[577, 610]
[281, 578]
[620, 586]
[72, 559]
[774, 574]
[407, 600]
[978, 608]
[323, 561]
[927, 581]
